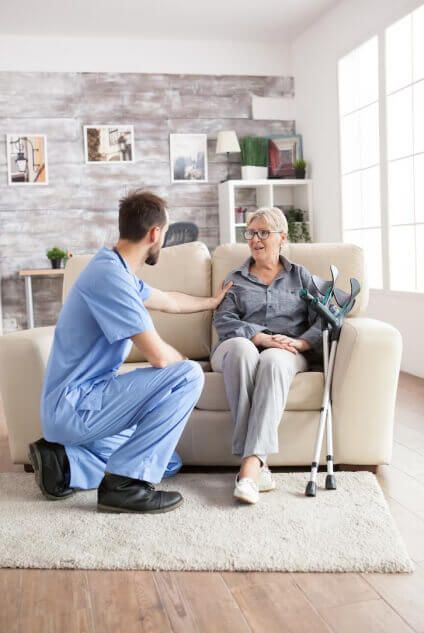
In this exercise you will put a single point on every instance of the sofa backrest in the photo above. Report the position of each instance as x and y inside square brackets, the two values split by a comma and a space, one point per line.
[188, 268]
[317, 258]
[183, 268]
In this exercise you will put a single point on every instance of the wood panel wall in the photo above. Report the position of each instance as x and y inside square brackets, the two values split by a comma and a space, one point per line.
[78, 209]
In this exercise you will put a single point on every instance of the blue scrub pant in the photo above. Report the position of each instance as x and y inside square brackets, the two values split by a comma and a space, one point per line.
[134, 434]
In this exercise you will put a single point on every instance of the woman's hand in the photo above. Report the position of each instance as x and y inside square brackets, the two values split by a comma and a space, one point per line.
[220, 294]
[280, 341]
[300, 344]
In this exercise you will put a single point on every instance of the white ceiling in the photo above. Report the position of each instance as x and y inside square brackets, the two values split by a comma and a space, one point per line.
[243, 20]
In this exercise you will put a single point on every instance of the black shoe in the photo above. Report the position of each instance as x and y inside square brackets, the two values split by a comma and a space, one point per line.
[124, 494]
[51, 468]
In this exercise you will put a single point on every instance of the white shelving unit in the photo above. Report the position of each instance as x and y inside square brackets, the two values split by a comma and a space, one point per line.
[269, 193]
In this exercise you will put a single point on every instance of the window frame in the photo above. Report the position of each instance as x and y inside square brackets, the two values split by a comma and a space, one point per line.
[361, 169]
[383, 156]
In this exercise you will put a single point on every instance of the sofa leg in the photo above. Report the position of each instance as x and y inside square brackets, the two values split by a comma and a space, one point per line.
[28, 468]
[355, 467]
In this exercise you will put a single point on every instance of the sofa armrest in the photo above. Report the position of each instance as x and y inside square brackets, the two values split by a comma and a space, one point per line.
[23, 360]
[364, 391]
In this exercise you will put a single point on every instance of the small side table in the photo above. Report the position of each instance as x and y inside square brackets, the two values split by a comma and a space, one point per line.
[28, 275]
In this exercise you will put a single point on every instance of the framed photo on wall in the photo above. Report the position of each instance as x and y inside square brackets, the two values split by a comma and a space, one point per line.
[27, 159]
[188, 157]
[282, 152]
[109, 143]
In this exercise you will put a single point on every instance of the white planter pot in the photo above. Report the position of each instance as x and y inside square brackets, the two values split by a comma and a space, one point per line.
[249, 172]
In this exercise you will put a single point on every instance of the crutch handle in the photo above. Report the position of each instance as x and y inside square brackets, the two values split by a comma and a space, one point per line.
[321, 309]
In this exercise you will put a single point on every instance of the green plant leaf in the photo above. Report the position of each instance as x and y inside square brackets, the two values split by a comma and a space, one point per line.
[254, 151]
[56, 253]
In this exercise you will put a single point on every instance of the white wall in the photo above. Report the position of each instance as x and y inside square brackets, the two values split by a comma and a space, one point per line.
[69, 54]
[314, 61]
[406, 312]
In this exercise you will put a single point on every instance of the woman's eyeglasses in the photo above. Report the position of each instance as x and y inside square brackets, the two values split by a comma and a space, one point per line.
[262, 234]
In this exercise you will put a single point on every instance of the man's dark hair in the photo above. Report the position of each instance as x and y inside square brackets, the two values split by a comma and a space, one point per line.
[138, 212]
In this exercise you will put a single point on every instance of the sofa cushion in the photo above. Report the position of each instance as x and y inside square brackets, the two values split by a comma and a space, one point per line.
[184, 268]
[126, 367]
[305, 393]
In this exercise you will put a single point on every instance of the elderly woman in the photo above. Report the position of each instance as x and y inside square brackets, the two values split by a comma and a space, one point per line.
[264, 330]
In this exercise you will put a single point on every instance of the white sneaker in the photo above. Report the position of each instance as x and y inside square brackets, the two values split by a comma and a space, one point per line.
[266, 482]
[246, 490]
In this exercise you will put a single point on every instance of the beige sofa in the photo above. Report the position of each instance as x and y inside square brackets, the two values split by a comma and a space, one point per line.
[365, 379]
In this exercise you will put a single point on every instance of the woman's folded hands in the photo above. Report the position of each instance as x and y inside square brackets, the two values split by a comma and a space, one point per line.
[281, 341]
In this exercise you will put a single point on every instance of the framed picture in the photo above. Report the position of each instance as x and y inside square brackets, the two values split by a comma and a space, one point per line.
[27, 159]
[189, 157]
[109, 143]
[282, 152]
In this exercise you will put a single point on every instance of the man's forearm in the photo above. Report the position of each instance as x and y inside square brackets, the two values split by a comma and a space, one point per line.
[186, 303]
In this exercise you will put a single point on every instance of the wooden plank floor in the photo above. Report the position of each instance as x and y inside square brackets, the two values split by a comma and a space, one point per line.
[78, 601]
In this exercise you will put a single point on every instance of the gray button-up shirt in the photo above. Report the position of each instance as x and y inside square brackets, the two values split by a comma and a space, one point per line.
[251, 306]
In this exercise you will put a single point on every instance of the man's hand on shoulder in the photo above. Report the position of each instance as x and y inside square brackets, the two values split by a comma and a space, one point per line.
[220, 294]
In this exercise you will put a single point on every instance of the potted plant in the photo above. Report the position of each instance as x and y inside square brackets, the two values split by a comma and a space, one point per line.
[55, 255]
[297, 227]
[254, 157]
[299, 168]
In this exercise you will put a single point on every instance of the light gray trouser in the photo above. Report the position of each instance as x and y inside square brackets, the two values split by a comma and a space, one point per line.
[257, 385]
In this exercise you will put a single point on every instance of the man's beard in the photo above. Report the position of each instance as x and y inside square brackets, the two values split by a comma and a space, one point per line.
[153, 256]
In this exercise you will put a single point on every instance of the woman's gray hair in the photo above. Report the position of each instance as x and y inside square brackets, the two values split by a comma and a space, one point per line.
[273, 216]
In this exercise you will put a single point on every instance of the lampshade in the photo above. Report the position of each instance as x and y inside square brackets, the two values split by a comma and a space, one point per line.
[227, 142]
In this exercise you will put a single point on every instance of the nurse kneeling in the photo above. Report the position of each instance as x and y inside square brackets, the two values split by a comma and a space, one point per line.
[113, 432]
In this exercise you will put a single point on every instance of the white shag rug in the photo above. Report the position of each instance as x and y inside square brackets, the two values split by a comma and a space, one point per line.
[346, 530]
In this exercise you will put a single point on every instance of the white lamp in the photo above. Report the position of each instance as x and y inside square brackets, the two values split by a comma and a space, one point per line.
[21, 162]
[227, 142]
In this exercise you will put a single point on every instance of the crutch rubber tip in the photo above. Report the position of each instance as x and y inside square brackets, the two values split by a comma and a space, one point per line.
[311, 489]
[330, 482]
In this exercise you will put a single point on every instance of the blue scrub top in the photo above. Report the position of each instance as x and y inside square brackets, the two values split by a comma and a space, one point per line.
[103, 309]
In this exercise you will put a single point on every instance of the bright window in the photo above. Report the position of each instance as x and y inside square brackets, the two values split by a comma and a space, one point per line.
[394, 256]
[360, 155]
[405, 150]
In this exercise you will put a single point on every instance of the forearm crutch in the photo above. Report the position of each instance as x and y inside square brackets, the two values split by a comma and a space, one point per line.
[330, 480]
[332, 324]
[325, 423]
